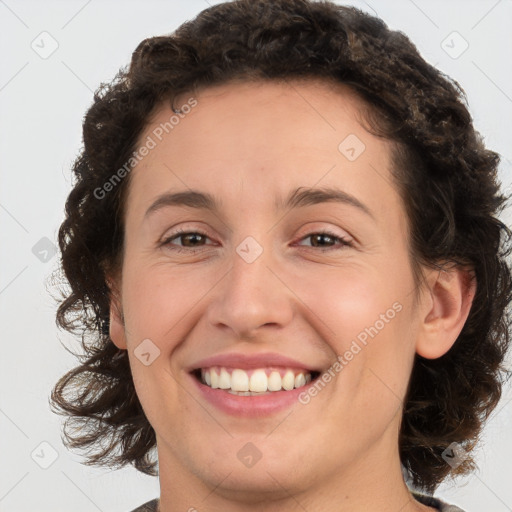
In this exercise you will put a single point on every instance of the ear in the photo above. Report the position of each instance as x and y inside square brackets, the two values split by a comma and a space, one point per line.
[444, 310]
[117, 330]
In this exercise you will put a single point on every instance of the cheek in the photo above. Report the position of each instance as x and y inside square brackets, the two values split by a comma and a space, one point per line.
[156, 298]
[154, 302]
[367, 318]
[347, 301]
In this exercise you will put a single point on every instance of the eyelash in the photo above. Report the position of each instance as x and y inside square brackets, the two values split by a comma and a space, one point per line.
[181, 232]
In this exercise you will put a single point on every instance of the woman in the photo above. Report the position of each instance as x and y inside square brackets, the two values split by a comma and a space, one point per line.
[283, 242]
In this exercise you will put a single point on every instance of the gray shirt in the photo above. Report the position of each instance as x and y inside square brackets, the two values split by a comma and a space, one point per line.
[430, 501]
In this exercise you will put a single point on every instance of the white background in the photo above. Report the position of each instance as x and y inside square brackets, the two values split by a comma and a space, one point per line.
[42, 103]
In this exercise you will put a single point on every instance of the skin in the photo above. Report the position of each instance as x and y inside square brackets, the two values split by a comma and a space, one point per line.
[247, 144]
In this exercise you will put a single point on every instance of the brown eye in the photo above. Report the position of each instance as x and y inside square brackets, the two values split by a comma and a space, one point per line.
[190, 240]
[326, 240]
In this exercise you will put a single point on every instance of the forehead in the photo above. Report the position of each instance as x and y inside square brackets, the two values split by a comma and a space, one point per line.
[243, 140]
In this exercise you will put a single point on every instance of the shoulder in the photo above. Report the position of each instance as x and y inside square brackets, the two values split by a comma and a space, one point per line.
[150, 506]
[436, 503]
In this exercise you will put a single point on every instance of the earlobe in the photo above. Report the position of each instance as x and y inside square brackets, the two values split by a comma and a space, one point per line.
[451, 293]
[117, 330]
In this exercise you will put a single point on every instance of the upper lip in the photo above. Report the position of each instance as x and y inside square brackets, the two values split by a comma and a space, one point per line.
[251, 361]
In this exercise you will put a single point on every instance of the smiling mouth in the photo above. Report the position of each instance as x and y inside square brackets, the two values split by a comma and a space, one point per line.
[254, 382]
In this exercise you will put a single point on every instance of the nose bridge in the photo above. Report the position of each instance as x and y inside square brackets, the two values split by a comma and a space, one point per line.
[251, 295]
[250, 271]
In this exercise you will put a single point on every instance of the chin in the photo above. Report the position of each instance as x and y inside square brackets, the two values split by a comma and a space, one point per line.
[256, 486]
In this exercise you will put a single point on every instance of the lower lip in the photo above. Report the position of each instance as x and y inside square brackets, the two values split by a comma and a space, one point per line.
[250, 406]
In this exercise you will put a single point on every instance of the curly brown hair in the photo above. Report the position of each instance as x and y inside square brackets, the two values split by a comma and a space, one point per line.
[447, 179]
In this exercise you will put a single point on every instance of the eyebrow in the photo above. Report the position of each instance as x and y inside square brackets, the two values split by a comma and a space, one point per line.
[298, 198]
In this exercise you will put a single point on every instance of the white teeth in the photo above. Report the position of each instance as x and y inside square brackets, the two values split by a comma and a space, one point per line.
[224, 379]
[274, 382]
[258, 381]
[215, 379]
[288, 380]
[300, 380]
[238, 381]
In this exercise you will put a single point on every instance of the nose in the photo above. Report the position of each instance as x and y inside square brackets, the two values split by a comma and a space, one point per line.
[251, 296]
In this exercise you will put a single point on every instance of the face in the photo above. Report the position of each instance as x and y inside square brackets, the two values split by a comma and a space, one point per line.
[272, 285]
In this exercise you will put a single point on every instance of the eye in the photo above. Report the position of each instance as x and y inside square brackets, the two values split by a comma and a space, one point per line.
[323, 238]
[190, 236]
[317, 237]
